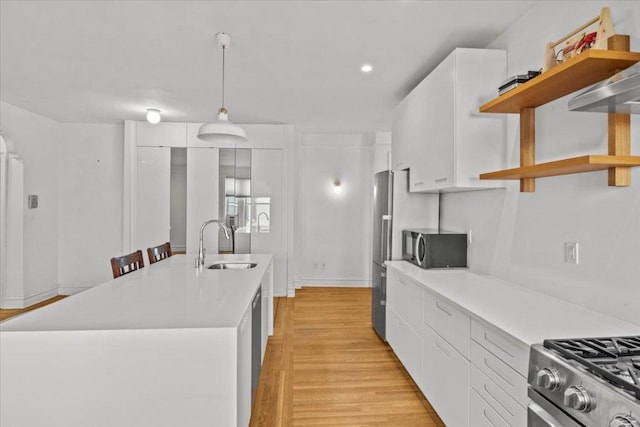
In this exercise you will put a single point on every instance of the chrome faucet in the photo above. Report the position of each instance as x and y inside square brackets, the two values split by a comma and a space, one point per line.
[200, 259]
[262, 213]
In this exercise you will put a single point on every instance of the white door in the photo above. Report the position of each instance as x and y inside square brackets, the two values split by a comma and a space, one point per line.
[267, 230]
[153, 203]
[202, 197]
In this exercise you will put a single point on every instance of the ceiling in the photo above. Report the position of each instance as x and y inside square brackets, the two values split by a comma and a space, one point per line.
[292, 62]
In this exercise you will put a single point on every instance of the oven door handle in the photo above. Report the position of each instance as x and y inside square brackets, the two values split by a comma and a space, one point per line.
[537, 416]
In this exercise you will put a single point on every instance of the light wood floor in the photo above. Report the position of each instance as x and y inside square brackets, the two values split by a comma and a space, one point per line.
[6, 313]
[326, 366]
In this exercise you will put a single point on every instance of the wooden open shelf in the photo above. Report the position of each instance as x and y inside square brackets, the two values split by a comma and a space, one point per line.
[579, 72]
[588, 163]
[576, 73]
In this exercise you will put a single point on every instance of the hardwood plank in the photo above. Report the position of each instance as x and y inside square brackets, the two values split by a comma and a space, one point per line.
[325, 366]
[6, 313]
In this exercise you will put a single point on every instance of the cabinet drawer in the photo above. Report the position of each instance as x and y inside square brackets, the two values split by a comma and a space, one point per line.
[449, 321]
[405, 296]
[502, 374]
[406, 344]
[514, 353]
[483, 415]
[498, 399]
[445, 379]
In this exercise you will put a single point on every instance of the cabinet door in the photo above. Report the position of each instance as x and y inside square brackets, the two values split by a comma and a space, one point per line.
[153, 203]
[445, 380]
[406, 344]
[401, 134]
[267, 231]
[161, 134]
[202, 197]
[439, 135]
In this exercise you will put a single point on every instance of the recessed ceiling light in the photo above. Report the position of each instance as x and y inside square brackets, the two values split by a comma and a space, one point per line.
[366, 68]
[153, 115]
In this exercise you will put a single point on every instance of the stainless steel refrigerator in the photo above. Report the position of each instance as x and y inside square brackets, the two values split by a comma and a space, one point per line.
[394, 209]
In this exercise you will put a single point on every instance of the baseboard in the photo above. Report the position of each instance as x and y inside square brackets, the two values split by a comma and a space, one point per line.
[72, 290]
[23, 302]
[340, 283]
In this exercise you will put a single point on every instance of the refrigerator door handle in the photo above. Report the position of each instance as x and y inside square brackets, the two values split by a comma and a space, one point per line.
[385, 255]
[383, 289]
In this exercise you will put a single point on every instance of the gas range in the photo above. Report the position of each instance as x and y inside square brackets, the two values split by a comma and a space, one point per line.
[585, 382]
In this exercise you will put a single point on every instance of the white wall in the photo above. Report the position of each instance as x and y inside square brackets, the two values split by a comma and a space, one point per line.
[520, 236]
[335, 229]
[36, 141]
[381, 152]
[90, 172]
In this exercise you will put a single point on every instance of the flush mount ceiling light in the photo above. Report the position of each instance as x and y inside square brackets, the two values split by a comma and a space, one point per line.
[153, 115]
[366, 68]
[222, 129]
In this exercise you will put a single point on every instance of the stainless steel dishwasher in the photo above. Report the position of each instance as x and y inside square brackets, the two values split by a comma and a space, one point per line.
[256, 341]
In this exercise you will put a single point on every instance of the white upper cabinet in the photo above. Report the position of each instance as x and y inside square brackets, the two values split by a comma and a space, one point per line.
[161, 134]
[401, 134]
[441, 136]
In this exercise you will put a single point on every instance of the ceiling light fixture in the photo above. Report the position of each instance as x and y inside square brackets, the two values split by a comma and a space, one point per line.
[366, 68]
[153, 116]
[222, 129]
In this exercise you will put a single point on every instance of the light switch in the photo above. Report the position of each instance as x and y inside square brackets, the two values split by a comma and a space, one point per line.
[32, 202]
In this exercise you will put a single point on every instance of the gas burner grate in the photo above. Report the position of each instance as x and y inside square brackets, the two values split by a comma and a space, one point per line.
[614, 359]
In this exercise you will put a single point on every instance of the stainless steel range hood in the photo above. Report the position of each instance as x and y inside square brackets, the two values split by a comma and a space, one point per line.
[617, 94]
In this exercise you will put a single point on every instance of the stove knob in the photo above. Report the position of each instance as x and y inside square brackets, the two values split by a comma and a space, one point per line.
[624, 421]
[548, 378]
[578, 398]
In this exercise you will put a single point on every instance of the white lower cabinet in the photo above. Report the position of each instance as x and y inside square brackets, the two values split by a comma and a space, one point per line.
[406, 344]
[508, 409]
[483, 415]
[445, 379]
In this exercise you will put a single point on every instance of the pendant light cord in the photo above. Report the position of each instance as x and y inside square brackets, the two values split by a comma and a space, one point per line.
[223, 49]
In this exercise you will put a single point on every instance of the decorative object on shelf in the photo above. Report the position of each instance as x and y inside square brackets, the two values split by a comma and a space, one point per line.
[222, 129]
[578, 41]
[515, 81]
[576, 73]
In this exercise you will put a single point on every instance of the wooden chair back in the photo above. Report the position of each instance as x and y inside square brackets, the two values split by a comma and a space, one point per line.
[158, 253]
[127, 263]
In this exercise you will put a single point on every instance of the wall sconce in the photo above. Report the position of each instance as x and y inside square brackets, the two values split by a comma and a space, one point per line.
[337, 186]
[153, 115]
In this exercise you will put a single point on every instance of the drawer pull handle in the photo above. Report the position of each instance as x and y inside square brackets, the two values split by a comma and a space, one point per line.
[441, 180]
[484, 412]
[495, 371]
[443, 350]
[443, 310]
[402, 281]
[419, 183]
[486, 337]
[496, 399]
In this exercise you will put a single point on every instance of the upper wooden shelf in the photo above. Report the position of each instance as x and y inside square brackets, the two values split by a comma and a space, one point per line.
[586, 69]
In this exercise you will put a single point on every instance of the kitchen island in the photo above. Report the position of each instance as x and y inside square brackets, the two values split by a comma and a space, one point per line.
[167, 345]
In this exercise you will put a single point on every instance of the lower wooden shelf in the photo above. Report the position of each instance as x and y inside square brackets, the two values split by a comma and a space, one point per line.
[588, 163]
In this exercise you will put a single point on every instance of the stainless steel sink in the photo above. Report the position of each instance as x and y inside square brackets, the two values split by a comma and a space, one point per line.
[232, 265]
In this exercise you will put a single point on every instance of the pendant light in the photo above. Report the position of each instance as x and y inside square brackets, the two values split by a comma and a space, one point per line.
[222, 129]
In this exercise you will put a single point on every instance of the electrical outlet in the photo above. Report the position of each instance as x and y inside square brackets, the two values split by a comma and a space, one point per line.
[571, 253]
[315, 265]
[323, 265]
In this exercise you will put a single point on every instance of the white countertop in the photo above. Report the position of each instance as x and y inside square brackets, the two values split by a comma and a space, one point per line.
[528, 316]
[170, 294]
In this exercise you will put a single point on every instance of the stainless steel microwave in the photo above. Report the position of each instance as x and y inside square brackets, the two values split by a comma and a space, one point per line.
[433, 249]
